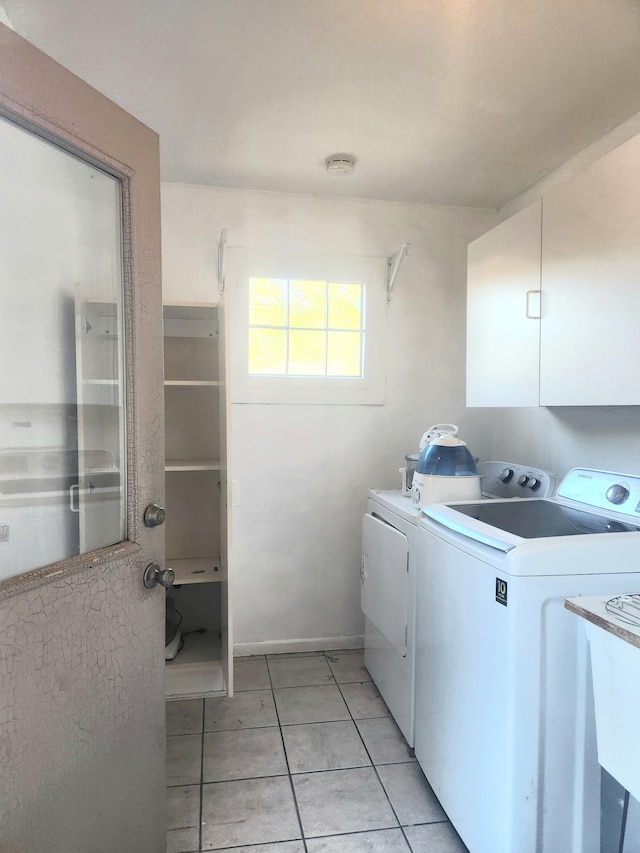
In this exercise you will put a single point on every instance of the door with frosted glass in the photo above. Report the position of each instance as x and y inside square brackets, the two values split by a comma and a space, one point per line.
[81, 457]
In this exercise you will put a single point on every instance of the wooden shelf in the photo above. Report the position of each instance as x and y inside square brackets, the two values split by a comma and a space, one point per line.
[192, 465]
[191, 383]
[197, 669]
[195, 569]
[190, 321]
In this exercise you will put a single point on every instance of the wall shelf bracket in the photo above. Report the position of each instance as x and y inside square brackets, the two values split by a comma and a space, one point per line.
[393, 267]
[222, 252]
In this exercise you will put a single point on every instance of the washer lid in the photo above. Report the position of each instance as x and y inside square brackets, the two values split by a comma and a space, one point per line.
[505, 524]
[538, 519]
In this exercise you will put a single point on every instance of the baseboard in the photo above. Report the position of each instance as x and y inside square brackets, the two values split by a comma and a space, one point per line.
[283, 647]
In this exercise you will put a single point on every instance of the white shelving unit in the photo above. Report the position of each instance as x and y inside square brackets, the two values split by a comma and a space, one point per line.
[98, 497]
[193, 499]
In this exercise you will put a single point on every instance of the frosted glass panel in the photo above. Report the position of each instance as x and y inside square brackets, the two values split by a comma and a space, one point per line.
[62, 436]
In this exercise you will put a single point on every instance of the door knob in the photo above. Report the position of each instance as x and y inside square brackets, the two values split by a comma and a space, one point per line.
[154, 516]
[153, 575]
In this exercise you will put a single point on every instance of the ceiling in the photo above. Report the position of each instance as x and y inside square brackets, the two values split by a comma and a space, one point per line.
[457, 102]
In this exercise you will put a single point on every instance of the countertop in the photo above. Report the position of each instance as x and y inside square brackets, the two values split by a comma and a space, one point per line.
[593, 609]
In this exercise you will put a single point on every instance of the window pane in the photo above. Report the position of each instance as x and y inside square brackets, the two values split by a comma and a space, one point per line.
[267, 351]
[62, 415]
[267, 302]
[307, 353]
[344, 356]
[308, 305]
[345, 306]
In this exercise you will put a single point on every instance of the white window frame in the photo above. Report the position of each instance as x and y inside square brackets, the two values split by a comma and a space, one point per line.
[370, 389]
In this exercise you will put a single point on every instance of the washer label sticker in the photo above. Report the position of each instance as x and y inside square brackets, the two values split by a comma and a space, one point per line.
[501, 591]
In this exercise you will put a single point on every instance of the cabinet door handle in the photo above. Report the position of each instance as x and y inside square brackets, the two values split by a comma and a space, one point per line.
[74, 498]
[537, 305]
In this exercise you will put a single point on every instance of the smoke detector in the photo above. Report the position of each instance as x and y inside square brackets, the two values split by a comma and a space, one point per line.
[340, 164]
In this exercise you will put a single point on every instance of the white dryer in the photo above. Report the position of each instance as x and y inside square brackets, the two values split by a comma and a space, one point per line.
[388, 580]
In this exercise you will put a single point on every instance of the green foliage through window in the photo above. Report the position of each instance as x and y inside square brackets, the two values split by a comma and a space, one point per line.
[306, 328]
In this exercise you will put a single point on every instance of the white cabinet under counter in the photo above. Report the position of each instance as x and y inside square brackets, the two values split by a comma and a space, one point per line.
[613, 630]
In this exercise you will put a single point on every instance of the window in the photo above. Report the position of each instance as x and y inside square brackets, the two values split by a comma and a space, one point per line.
[306, 328]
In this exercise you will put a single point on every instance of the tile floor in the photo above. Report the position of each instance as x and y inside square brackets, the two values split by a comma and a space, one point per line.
[305, 758]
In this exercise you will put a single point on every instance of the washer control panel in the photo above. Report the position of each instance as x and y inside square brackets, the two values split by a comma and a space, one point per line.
[512, 480]
[605, 490]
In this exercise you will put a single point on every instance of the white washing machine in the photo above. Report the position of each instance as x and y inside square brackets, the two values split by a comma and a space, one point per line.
[504, 710]
[388, 581]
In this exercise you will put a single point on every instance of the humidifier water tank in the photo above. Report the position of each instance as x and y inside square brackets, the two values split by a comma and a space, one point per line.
[445, 472]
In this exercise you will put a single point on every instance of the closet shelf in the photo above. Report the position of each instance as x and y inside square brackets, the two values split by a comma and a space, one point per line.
[191, 383]
[195, 569]
[196, 670]
[192, 465]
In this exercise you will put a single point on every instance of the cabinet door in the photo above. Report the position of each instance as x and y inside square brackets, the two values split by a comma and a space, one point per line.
[503, 317]
[591, 278]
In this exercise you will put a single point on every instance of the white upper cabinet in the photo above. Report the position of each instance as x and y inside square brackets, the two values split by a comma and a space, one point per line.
[583, 263]
[503, 313]
[591, 285]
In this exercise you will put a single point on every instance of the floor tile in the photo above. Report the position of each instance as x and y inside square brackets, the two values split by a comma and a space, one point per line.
[324, 746]
[300, 671]
[319, 704]
[243, 754]
[380, 841]
[249, 811]
[183, 840]
[384, 741]
[278, 847]
[410, 794]
[183, 807]
[250, 674]
[435, 838]
[184, 758]
[364, 701]
[289, 655]
[184, 717]
[348, 666]
[342, 801]
[183, 819]
[344, 804]
[250, 709]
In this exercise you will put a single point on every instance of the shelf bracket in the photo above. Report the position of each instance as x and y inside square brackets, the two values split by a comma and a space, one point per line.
[222, 251]
[393, 267]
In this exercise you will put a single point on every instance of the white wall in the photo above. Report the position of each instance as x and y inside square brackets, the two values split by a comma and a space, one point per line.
[304, 471]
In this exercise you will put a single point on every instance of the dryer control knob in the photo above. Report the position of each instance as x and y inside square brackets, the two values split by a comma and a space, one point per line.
[533, 484]
[523, 481]
[617, 494]
[506, 475]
